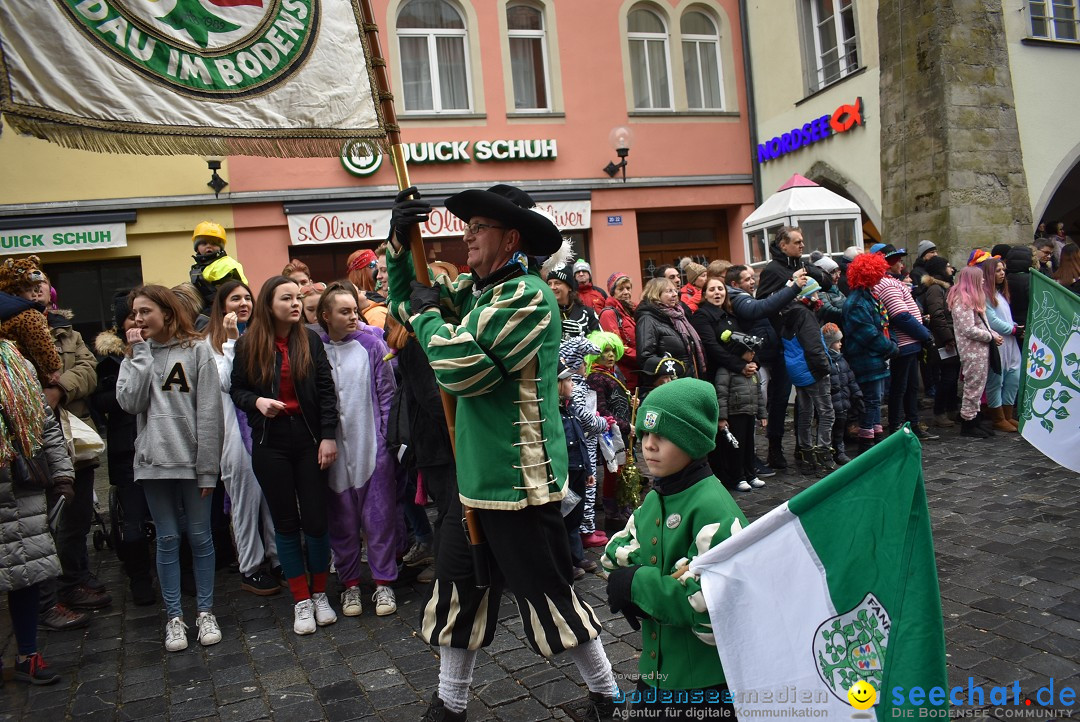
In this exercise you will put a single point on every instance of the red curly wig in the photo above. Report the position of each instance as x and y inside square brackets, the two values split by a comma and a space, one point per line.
[866, 270]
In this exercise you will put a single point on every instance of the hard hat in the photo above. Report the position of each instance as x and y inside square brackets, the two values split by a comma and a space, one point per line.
[209, 229]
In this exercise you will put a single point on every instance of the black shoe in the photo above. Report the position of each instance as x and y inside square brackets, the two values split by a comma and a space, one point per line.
[984, 423]
[437, 712]
[142, 592]
[823, 458]
[260, 583]
[586, 565]
[578, 573]
[95, 584]
[600, 707]
[34, 670]
[971, 428]
[805, 462]
[840, 458]
[59, 618]
[761, 470]
[776, 458]
[923, 434]
[279, 575]
[83, 597]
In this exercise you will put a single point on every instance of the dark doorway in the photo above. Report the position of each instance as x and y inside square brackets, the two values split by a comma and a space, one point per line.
[87, 289]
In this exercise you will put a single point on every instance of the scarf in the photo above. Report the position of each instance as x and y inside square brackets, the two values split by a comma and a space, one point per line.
[689, 335]
[23, 414]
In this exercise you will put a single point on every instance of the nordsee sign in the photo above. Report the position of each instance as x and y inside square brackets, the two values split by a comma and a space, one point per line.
[62, 238]
[842, 120]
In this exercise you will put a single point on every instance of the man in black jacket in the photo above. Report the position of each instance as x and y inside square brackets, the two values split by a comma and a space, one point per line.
[786, 251]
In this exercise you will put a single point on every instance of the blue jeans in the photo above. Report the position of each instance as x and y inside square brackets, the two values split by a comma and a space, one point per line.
[1001, 388]
[168, 500]
[872, 391]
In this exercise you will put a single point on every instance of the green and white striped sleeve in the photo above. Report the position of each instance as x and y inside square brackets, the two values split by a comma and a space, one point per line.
[492, 341]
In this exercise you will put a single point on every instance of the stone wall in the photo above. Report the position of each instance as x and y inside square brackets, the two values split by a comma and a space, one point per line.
[951, 166]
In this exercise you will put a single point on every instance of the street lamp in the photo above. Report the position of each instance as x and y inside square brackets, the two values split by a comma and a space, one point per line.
[620, 138]
[217, 183]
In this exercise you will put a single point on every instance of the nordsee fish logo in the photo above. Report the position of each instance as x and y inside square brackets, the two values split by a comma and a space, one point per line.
[220, 49]
[851, 646]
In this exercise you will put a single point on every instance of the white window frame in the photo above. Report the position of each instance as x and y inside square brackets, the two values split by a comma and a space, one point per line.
[841, 42]
[540, 34]
[431, 34]
[1051, 20]
[645, 39]
[697, 41]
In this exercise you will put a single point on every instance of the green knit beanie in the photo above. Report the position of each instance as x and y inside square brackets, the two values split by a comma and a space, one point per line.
[684, 412]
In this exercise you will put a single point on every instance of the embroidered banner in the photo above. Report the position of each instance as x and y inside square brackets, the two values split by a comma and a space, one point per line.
[288, 78]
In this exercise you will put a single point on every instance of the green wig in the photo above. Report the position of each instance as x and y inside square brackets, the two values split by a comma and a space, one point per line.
[604, 340]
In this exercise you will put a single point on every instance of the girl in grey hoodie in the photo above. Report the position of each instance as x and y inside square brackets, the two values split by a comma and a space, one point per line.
[170, 382]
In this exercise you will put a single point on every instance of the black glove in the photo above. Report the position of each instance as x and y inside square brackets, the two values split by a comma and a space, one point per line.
[619, 585]
[407, 212]
[63, 486]
[423, 297]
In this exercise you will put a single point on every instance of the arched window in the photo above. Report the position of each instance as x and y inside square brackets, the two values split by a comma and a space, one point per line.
[432, 40]
[701, 62]
[528, 57]
[649, 59]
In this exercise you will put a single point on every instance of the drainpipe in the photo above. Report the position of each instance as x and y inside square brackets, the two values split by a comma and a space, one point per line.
[751, 111]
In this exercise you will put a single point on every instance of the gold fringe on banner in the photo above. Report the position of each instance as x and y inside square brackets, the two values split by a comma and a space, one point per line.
[274, 144]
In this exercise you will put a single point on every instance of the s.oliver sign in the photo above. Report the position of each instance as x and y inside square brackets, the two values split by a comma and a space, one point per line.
[17, 241]
[370, 226]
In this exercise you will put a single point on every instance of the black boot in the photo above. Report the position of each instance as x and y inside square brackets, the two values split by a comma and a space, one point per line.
[983, 423]
[805, 461]
[866, 443]
[437, 712]
[776, 455]
[823, 457]
[972, 428]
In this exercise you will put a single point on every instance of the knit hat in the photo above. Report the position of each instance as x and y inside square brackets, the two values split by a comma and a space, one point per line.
[1000, 250]
[826, 264]
[684, 412]
[582, 265]
[832, 333]
[978, 256]
[924, 247]
[851, 251]
[562, 273]
[573, 351]
[121, 309]
[693, 271]
[613, 281]
[809, 289]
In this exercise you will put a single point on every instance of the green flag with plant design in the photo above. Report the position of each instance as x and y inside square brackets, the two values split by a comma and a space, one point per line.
[1049, 401]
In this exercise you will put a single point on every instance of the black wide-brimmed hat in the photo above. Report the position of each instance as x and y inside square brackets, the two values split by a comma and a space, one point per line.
[515, 208]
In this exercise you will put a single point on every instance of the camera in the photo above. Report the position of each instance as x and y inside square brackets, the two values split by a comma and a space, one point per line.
[751, 342]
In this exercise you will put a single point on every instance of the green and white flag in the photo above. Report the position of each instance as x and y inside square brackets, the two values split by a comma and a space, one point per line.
[1049, 403]
[833, 589]
[204, 77]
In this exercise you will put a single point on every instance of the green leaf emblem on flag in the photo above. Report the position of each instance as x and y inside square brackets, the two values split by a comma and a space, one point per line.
[851, 646]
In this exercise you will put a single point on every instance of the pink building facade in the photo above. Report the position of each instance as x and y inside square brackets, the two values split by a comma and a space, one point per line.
[529, 93]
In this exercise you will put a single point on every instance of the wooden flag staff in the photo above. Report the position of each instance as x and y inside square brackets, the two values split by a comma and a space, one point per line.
[477, 542]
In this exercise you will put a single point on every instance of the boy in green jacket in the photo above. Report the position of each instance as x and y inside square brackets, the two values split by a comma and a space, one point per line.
[687, 512]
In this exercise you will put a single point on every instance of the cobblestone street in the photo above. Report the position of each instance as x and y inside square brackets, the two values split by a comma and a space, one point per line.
[1006, 528]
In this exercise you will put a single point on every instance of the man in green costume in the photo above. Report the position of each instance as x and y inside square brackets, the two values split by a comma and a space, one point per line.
[492, 337]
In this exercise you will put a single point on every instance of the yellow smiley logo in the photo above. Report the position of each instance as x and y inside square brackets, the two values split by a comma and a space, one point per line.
[862, 695]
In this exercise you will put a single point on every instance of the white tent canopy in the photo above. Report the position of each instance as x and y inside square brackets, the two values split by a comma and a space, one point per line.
[830, 222]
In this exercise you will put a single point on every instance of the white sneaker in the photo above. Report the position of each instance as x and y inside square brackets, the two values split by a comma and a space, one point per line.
[743, 486]
[351, 606]
[175, 635]
[757, 483]
[385, 601]
[209, 632]
[418, 555]
[324, 613]
[304, 617]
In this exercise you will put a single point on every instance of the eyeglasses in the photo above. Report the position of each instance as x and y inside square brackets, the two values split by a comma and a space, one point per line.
[475, 228]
